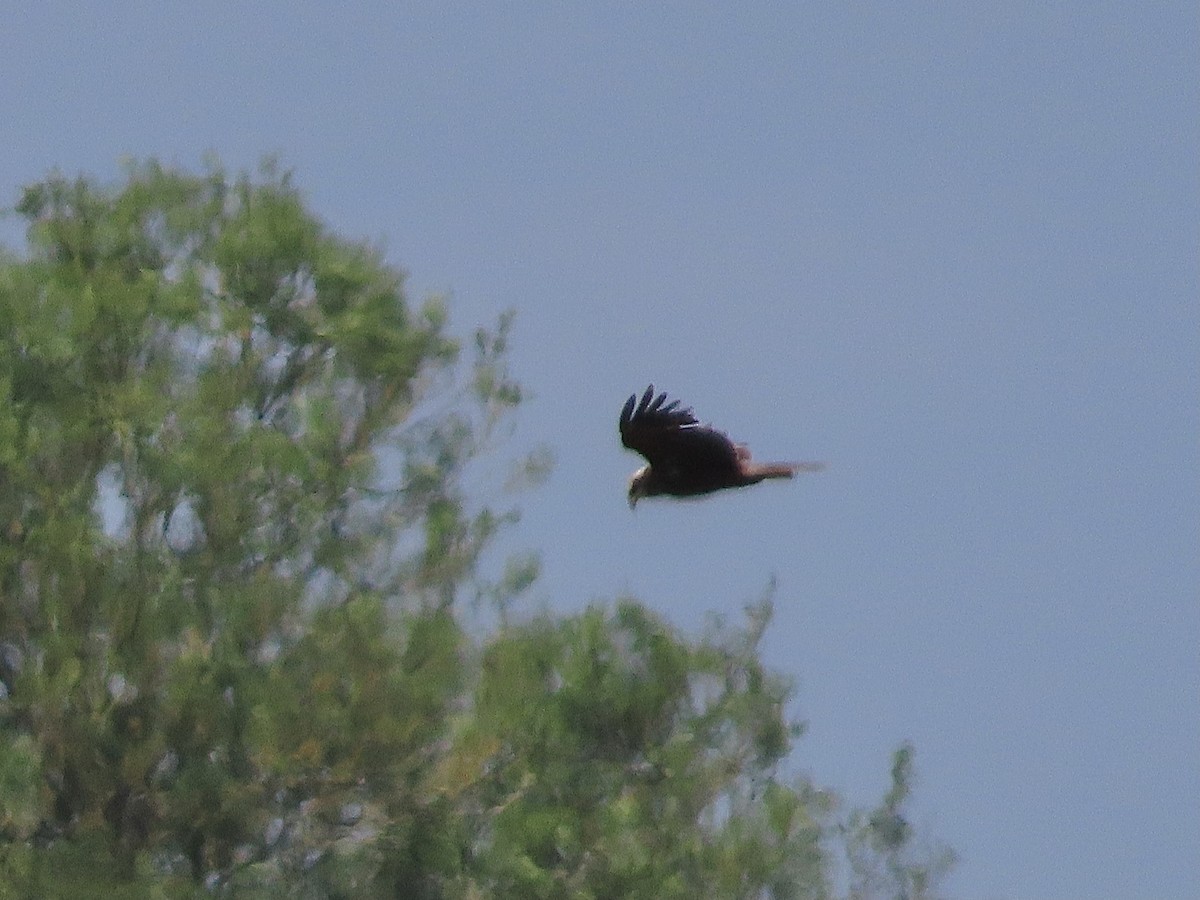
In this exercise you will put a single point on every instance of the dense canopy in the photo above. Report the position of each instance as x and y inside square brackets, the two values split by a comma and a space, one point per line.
[235, 656]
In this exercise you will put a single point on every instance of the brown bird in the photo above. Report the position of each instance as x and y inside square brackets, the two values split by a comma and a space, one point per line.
[685, 458]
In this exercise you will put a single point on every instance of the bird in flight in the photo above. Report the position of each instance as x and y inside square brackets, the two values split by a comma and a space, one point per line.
[685, 458]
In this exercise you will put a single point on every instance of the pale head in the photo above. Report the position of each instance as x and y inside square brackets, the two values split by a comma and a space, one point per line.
[637, 485]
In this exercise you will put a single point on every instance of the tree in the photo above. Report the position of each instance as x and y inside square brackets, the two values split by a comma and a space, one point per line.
[626, 762]
[233, 541]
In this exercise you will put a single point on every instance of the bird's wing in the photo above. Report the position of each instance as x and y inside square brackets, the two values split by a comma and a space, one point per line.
[670, 437]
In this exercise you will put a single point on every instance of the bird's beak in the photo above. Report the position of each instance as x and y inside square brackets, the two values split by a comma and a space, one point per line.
[633, 499]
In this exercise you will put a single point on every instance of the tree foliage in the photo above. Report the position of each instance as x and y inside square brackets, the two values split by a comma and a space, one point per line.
[234, 535]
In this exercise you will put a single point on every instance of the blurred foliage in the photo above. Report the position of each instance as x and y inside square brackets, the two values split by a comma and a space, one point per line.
[234, 541]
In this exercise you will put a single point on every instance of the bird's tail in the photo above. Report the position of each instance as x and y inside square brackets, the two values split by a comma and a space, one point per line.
[759, 471]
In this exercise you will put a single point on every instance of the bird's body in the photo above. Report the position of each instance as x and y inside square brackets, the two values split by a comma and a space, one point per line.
[686, 458]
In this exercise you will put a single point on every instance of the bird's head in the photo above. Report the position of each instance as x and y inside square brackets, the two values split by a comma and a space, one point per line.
[638, 485]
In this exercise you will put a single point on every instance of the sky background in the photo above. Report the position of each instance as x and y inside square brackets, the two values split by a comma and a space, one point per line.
[951, 249]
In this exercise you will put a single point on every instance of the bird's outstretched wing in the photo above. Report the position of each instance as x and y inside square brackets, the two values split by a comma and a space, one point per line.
[670, 437]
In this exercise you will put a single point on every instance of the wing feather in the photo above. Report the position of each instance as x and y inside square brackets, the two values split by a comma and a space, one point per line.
[671, 438]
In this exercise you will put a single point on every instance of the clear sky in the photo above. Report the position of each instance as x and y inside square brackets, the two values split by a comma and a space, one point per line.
[952, 249]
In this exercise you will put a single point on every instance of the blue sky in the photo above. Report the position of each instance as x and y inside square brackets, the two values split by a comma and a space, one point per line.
[950, 249]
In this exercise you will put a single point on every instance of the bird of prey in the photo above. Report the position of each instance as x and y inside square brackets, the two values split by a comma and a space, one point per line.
[685, 458]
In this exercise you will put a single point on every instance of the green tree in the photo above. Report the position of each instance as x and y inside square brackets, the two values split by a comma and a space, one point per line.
[623, 761]
[234, 536]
